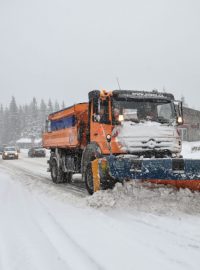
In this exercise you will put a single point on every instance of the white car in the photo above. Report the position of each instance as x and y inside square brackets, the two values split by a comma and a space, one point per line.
[10, 152]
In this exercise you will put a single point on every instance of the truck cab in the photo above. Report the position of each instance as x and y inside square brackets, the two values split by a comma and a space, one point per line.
[137, 122]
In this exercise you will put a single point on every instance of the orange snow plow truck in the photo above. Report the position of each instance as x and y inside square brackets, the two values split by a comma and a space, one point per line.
[117, 136]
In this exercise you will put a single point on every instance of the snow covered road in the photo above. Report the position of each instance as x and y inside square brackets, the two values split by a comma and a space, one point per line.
[46, 226]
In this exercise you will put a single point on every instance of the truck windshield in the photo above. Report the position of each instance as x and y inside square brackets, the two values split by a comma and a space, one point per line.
[141, 110]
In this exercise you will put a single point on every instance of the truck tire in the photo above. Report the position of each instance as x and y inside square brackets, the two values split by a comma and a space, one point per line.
[88, 177]
[57, 174]
[91, 152]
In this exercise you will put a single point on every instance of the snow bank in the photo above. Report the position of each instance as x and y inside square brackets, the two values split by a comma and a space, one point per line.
[147, 198]
[151, 198]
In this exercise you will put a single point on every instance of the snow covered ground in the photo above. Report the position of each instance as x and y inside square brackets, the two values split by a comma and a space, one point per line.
[47, 226]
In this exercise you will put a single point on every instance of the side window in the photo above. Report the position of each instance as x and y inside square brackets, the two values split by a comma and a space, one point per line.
[95, 106]
[104, 111]
[101, 111]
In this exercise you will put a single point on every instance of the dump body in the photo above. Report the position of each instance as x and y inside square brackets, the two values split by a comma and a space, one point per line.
[66, 129]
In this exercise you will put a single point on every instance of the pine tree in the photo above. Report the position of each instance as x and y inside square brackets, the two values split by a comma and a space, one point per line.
[1, 123]
[49, 107]
[56, 106]
[13, 128]
[34, 108]
[43, 114]
[63, 105]
[22, 122]
[26, 121]
[5, 126]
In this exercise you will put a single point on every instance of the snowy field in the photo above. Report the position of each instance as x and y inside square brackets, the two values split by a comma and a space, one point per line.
[44, 226]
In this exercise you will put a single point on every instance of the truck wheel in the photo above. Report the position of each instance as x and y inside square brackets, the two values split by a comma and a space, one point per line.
[88, 176]
[54, 171]
[56, 174]
[91, 152]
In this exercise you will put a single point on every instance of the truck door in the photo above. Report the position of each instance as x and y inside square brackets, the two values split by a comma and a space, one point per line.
[100, 124]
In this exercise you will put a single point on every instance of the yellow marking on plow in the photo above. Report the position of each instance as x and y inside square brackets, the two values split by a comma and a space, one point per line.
[95, 172]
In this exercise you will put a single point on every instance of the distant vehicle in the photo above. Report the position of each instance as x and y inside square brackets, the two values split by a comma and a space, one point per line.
[10, 152]
[1, 150]
[37, 152]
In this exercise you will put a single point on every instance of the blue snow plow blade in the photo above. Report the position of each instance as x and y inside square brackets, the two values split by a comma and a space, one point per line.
[122, 168]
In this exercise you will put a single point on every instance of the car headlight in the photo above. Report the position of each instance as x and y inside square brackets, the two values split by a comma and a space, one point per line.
[6, 154]
[16, 154]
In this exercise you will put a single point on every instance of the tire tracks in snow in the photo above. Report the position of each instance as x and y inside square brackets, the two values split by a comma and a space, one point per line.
[67, 248]
[44, 183]
[23, 245]
[64, 243]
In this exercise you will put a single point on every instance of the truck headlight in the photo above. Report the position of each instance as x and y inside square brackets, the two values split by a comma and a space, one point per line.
[121, 118]
[180, 120]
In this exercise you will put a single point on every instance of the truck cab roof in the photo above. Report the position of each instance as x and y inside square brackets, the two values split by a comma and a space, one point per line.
[135, 94]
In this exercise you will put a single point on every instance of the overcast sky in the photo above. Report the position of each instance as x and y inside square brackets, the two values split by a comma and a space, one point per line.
[62, 49]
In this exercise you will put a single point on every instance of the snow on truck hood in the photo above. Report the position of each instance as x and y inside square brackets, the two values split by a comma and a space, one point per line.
[147, 136]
